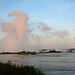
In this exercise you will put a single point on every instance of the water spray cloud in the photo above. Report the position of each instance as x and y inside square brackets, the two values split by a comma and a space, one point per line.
[16, 30]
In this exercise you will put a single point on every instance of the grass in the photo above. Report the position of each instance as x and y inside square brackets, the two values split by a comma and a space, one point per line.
[22, 52]
[13, 69]
[32, 53]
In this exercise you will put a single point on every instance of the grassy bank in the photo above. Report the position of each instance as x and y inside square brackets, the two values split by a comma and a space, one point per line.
[12, 69]
[32, 53]
[26, 53]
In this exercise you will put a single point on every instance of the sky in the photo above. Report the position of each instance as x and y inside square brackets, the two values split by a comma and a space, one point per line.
[32, 25]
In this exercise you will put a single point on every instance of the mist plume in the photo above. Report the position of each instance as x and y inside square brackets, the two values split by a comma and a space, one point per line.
[16, 30]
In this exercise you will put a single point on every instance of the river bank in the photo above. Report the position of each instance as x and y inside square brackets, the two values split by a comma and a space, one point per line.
[32, 53]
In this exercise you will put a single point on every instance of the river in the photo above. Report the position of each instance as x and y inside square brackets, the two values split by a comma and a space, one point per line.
[49, 63]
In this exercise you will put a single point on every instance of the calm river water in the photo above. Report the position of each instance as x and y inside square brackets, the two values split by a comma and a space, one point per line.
[51, 64]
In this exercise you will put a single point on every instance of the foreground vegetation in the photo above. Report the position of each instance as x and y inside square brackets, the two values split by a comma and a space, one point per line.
[12, 69]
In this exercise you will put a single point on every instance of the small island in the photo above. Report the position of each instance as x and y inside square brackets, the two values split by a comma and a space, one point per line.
[42, 51]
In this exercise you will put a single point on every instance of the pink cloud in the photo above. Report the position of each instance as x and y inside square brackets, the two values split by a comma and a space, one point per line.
[16, 30]
[20, 24]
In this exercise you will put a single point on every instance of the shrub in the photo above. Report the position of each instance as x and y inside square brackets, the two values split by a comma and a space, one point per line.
[13, 69]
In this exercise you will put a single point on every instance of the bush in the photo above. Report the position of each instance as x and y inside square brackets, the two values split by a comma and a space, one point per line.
[13, 69]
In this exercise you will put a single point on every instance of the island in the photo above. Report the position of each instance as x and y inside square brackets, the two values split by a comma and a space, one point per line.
[42, 51]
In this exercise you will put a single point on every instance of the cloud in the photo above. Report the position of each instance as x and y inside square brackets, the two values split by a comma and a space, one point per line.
[30, 30]
[16, 30]
[2, 35]
[61, 34]
[21, 36]
[20, 24]
[18, 34]
[44, 27]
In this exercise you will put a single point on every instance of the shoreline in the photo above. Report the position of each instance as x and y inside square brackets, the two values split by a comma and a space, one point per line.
[29, 53]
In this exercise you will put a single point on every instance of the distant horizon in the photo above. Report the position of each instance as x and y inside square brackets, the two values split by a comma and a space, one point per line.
[62, 50]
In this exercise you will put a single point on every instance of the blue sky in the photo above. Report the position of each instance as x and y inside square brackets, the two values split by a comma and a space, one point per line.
[56, 14]
[58, 11]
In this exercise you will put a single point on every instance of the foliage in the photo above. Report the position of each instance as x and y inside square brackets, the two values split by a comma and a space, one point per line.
[12, 69]
[32, 53]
